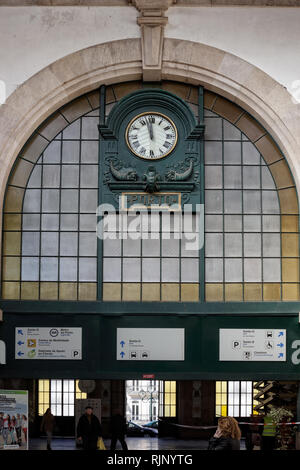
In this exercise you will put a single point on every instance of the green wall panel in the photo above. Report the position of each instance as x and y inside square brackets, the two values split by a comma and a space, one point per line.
[201, 347]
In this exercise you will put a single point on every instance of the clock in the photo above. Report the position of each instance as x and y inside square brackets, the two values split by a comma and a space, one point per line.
[151, 135]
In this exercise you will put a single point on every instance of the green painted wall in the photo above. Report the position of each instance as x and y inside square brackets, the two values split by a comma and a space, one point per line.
[201, 344]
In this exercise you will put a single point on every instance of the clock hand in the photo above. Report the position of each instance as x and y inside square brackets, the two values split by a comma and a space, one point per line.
[150, 128]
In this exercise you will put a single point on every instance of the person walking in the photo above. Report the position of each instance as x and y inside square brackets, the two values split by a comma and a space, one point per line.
[118, 431]
[89, 429]
[47, 425]
[227, 436]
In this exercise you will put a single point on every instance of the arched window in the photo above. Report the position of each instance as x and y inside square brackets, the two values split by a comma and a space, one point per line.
[251, 250]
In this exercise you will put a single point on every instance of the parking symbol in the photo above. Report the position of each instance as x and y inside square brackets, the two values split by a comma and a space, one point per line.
[75, 354]
[236, 344]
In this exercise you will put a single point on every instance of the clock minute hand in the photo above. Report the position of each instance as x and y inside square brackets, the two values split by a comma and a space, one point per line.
[150, 128]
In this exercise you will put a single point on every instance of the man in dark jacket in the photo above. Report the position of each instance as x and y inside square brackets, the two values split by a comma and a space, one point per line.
[89, 429]
[118, 431]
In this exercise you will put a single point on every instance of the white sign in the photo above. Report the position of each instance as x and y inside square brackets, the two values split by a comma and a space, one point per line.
[252, 345]
[48, 343]
[150, 344]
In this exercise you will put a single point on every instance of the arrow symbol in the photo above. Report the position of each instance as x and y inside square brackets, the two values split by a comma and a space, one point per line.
[20, 332]
[122, 354]
[280, 355]
[280, 345]
[280, 334]
[20, 343]
[20, 353]
[122, 343]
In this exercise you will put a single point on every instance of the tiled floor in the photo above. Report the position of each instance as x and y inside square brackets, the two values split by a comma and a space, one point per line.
[134, 443]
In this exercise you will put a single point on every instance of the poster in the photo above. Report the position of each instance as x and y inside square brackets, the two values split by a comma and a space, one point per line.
[13, 419]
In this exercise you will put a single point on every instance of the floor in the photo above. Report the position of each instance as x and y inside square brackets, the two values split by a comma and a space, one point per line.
[134, 443]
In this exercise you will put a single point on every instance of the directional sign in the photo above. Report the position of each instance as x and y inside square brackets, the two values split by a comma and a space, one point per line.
[150, 344]
[48, 343]
[2, 352]
[252, 345]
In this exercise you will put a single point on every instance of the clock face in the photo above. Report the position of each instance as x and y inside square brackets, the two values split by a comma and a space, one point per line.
[151, 135]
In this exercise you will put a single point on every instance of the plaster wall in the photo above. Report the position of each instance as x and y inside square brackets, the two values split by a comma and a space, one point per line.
[32, 38]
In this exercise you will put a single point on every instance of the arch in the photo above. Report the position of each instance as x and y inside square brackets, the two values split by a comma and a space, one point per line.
[242, 133]
[120, 61]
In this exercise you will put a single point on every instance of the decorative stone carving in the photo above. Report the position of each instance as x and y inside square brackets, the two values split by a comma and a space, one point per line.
[152, 22]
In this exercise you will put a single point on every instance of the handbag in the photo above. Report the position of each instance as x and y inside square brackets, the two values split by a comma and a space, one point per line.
[100, 444]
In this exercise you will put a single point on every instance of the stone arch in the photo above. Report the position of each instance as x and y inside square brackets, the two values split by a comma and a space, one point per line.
[121, 61]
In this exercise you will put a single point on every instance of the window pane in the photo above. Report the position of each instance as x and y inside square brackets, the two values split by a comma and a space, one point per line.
[70, 150]
[49, 244]
[68, 244]
[214, 244]
[30, 269]
[252, 244]
[213, 153]
[232, 153]
[50, 200]
[232, 202]
[112, 269]
[213, 202]
[232, 177]
[170, 270]
[87, 244]
[233, 244]
[87, 269]
[131, 269]
[233, 270]
[214, 270]
[231, 132]
[151, 270]
[68, 269]
[252, 270]
[213, 177]
[32, 200]
[49, 269]
[30, 243]
[213, 129]
[189, 270]
[51, 176]
[70, 176]
[170, 247]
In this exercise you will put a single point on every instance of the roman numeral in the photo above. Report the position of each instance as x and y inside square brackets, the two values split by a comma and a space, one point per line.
[167, 145]
[167, 128]
[151, 153]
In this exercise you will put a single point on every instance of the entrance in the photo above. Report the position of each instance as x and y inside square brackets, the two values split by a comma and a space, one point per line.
[148, 400]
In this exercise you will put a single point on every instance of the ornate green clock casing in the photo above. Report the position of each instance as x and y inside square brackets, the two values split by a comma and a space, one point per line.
[151, 151]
